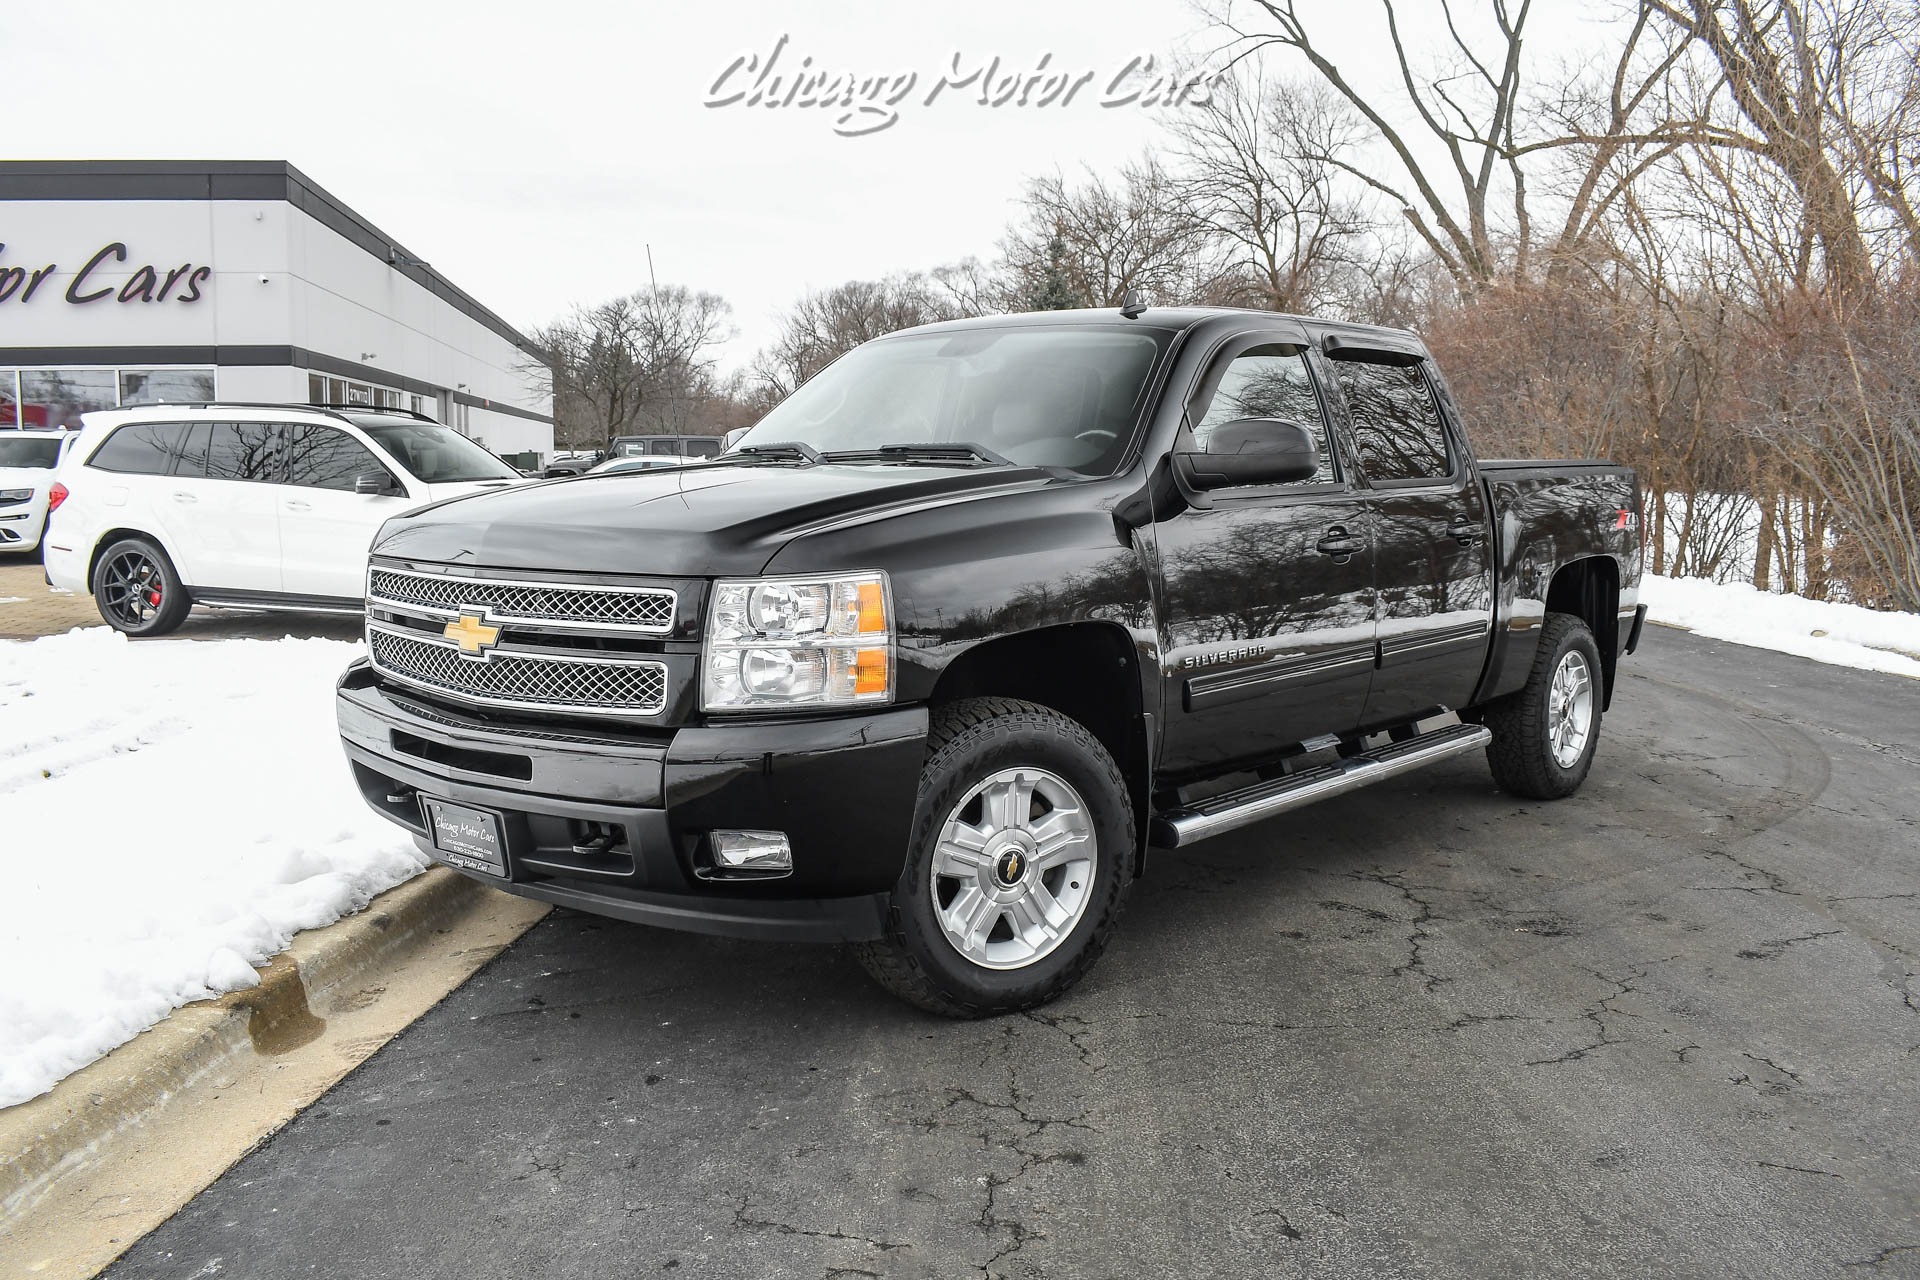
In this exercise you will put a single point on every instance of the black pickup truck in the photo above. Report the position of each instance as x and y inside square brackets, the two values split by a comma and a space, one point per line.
[935, 657]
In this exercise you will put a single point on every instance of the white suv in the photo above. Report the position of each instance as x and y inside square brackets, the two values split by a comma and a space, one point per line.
[27, 460]
[157, 509]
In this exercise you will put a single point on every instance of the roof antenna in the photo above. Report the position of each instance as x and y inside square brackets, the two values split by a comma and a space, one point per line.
[1133, 306]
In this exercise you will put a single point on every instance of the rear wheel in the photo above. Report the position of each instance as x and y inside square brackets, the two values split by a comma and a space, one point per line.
[137, 589]
[1544, 736]
[1022, 849]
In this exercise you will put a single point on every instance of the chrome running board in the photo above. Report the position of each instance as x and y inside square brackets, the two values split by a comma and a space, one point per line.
[1231, 810]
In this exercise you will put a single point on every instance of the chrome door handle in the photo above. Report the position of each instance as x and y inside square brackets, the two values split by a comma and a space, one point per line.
[1337, 543]
[184, 497]
[1465, 530]
[298, 506]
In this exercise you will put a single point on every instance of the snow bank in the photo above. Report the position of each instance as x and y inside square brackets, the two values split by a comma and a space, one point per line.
[1845, 635]
[171, 813]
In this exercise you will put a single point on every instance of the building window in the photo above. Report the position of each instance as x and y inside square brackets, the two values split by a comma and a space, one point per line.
[165, 386]
[57, 397]
[346, 393]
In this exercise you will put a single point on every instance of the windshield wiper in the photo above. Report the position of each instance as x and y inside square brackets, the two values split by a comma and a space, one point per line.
[930, 450]
[777, 449]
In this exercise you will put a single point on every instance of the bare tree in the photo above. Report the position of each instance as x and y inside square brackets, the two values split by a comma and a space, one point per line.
[637, 364]
[1087, 244]
[1255, 174]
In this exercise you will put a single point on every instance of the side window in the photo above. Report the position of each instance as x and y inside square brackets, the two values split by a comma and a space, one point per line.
[1396, 426]
[143, 449]
[666, 445]
[327, 458]
[703, 448]
[246, 451]
[1270, 382]
[192, 459]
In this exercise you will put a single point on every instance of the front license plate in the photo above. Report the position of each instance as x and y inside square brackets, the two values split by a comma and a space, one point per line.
[466, 837]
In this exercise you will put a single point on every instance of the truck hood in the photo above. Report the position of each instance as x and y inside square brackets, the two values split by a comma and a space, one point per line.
[676, 522]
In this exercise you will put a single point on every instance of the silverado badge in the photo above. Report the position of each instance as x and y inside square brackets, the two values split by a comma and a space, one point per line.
[471, 634]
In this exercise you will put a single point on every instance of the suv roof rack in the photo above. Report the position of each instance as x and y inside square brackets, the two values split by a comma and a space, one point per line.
[337, 407]
[282, 405]
[339, 411]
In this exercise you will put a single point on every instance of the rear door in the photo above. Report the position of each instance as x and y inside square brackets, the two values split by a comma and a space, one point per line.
[224, 500]
[325, 526]
[1433, 568]
[1267, 592]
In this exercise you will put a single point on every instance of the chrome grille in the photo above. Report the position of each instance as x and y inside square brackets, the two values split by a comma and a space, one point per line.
[532, 682]
[566, 607]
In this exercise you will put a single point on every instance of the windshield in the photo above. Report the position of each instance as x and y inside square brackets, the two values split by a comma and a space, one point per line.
[1064, 397]
[29, 451]
[436, 455]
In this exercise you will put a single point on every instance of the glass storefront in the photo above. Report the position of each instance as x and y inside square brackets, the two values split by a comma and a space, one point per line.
[322, 389]
[57, 397]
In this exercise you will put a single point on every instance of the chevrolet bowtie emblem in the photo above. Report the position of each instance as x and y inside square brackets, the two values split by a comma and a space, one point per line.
[471, 634]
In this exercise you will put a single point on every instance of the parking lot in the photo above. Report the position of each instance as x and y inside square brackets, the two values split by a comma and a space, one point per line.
[28, 608]
[1667, 1027]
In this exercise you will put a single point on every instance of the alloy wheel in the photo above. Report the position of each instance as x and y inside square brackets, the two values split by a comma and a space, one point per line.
[1013, 869]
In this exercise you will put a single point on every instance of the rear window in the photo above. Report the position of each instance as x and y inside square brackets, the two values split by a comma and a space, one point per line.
[247, 451]
[141, 449]
[28, 451]
[1396, 426]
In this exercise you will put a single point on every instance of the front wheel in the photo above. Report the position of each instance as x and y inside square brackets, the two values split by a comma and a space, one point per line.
[1545, 735]
[1022, 850]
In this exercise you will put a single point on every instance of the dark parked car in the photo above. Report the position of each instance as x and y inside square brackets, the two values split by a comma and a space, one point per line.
[572, 464]
[664, 447]
[974, 622]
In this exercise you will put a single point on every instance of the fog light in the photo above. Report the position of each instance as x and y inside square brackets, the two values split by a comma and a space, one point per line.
[752, 851]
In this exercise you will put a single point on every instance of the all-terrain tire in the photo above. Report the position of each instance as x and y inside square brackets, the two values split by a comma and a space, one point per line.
[970, 741]
[1522, 753]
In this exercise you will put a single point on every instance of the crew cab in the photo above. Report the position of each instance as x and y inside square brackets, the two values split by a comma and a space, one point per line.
[237, 506]
[941, 655]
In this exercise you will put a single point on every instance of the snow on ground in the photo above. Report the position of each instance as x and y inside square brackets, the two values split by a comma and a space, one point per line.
[11, 600]
[1845, 635]
[171, 813]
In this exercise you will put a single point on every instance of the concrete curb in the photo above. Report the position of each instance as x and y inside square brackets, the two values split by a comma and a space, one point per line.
[75, 1125]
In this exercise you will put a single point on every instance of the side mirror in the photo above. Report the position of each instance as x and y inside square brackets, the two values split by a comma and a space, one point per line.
[377, 483]
[1251, 451]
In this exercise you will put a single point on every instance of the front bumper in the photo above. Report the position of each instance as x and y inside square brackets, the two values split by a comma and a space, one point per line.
[22, 525]
[615, 822]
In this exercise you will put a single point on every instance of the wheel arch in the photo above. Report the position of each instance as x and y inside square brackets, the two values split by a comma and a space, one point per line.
[1089, 671]
[111, 536]
[1589, 589]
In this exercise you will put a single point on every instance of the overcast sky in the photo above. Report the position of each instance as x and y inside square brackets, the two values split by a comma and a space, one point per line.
[531, 152]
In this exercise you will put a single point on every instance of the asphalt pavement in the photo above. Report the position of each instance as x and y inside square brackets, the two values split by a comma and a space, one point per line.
[1669, 1027]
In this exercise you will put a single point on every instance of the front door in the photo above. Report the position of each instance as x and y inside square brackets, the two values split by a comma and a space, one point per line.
[1266, 607]
[1432, 565]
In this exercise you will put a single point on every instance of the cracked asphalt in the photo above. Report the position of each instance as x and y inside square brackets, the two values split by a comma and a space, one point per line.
[1668, 1027]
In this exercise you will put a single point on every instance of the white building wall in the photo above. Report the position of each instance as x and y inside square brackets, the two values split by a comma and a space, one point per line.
[279, 277]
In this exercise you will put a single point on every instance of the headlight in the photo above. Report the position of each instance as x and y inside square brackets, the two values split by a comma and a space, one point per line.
[8, 496]
[786, 642]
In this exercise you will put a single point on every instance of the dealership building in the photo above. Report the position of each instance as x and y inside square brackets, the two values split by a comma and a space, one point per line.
[147, 282]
